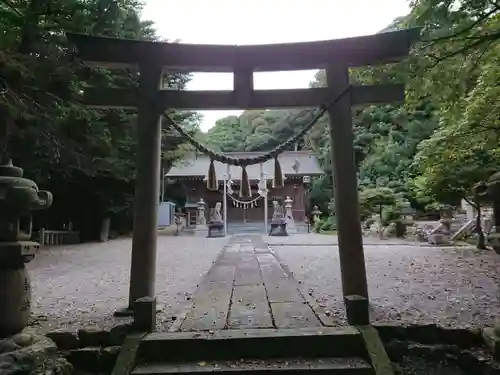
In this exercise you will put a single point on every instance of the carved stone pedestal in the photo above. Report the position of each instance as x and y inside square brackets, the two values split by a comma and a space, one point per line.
[216, 224]
[215, 229]
[278, 228]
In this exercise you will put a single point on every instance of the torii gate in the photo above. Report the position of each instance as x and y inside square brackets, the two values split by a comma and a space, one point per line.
[155, 58]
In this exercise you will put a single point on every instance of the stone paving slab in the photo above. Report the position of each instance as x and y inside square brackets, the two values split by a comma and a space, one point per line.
[283, 290]
[294, 315]
[248, 288]
[248, 275]
[250, 316]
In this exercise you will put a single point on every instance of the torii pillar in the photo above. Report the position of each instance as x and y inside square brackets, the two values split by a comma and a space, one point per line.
[147, 188]
[350, 237]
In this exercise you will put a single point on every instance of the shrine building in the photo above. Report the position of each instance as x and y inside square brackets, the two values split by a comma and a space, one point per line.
[297, 167]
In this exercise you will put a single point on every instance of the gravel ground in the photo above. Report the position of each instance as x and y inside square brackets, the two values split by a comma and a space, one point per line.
[82, 285]
[315, 239]
[419, 366]
[78, 286]
[407, 284]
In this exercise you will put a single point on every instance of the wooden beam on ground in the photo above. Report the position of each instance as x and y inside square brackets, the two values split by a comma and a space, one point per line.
[231, 100]
[356, 51]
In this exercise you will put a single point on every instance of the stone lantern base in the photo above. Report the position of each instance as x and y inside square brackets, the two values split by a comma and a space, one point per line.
[15, 286]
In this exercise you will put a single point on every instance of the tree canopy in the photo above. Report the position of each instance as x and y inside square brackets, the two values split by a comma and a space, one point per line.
[437, 145]
[86, 157]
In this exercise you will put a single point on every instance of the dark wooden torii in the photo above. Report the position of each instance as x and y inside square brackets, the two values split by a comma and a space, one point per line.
[335, 56]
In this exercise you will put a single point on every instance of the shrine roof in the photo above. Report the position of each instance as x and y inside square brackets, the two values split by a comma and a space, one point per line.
[197, 166]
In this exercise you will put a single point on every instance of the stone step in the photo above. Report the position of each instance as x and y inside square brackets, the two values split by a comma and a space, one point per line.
[349, 366]
[252, 343]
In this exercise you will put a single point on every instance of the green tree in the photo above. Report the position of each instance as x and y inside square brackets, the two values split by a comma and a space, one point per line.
[86, 157]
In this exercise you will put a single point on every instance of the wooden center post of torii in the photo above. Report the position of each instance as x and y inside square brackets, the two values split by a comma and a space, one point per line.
[155, 58]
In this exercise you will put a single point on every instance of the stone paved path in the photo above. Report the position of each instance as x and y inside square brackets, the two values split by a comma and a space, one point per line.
[248, 288]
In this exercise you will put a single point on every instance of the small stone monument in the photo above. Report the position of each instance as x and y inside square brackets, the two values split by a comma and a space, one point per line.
[18, 197]
[216, 224]
[490, 192]
[179, 215]
[201, 220]
[278, 222]
[290, 222]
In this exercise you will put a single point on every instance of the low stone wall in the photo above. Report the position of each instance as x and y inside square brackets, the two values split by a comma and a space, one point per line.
[31, 353]
[465, 348]
[91, 350]
[94, 350]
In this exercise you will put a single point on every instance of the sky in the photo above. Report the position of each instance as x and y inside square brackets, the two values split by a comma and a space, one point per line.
[261, 22]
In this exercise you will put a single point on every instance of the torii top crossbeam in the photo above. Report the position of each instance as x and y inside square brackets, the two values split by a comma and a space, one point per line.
[244, 61]
[356, 51]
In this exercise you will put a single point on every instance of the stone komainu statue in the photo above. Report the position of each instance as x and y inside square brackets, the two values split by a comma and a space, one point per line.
[277, 211]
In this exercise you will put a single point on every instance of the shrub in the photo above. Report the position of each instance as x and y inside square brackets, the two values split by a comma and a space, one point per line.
[329, 224]
[317, 225]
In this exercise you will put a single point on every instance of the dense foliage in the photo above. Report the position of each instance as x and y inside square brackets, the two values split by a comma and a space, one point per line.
[436, 146]
[85, 157]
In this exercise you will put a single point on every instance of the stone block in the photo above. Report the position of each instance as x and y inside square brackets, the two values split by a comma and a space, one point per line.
[65, 340]
[492, 341]
[424, 333]
[145, 314]
[92, 337]
[8, 345]
[357, 310]
[118, 334]
[109, 356]
[86, 359]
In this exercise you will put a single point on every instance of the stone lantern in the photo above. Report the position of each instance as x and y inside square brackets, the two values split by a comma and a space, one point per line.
[316, 213]
[201, 219]
[18, 197]
[290, 222]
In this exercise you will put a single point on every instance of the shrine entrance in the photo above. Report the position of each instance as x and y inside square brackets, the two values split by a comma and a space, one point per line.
[153, 59]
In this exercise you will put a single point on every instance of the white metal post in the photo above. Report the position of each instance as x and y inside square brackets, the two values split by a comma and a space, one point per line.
[263, 179]
[162, 199]
[226, 176]
[265, 204]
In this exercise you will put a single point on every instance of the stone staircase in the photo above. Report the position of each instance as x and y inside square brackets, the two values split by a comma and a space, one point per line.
[339, 350]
